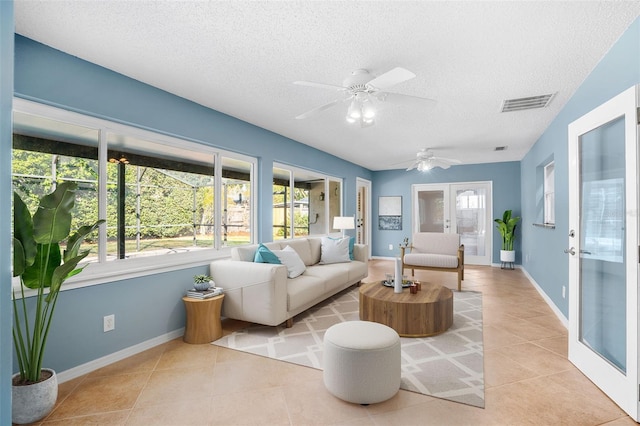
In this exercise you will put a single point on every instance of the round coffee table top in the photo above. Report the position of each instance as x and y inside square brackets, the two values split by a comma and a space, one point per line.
[425, 313]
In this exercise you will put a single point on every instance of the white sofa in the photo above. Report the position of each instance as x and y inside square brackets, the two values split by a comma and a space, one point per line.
[262, 293]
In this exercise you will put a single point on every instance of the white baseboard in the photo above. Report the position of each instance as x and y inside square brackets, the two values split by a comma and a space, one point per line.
[546, 298]
[117, 356]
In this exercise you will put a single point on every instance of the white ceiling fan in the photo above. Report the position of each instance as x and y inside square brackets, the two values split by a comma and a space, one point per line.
[363, 91]
[426, 160]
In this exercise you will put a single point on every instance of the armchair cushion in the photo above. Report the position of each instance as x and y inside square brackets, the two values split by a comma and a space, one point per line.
[432, 260]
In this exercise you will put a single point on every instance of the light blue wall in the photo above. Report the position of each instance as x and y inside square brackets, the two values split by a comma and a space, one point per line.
[542, 248]
[6, 89]
[505, 178]
[150, 306]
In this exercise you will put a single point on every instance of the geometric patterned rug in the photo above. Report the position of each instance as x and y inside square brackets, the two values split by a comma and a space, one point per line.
[449, 365]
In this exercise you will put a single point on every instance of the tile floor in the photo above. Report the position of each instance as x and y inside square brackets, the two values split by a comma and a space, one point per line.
[528, 379]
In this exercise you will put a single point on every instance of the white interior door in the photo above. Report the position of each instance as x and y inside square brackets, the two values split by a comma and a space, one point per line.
[603, 248]
[363, 212]
[462, 208]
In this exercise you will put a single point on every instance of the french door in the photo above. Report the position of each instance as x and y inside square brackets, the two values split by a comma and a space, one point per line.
[363, 212]
[459, 208]
[603, 248]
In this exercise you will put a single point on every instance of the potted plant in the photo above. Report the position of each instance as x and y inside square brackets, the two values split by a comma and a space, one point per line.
[202, 282]
[42, 266]
[507, 228]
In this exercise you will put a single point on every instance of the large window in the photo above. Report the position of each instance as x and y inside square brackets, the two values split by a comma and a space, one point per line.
[159, 195]
[304, 202]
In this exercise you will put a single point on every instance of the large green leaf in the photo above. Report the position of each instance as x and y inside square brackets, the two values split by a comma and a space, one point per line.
[74, 241]
[22, 234]
[39, 274]
[52, 220]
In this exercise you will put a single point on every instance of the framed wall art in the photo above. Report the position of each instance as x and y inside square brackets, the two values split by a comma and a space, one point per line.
[390, 213]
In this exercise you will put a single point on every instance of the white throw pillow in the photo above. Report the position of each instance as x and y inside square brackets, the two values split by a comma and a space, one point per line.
[291, 259]
[335, 250]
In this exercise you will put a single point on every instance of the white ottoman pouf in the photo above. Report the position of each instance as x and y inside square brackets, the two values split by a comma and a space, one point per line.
[362, 361]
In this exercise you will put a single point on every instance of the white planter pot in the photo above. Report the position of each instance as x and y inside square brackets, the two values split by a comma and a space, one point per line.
[31, 403]
[507, 256]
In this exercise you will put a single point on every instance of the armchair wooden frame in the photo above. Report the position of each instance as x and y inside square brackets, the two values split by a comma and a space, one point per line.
[459, 269]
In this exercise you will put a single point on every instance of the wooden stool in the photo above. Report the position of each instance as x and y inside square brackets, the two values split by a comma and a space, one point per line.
[203, 319]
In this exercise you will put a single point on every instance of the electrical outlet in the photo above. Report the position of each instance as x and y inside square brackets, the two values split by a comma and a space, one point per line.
[564, 292]
[390, 246]
[109, 322]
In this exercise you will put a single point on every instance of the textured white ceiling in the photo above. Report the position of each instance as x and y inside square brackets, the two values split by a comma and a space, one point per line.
[241, 58]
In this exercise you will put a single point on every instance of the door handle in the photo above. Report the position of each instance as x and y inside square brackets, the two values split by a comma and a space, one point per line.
[571, 251]
[585, 252]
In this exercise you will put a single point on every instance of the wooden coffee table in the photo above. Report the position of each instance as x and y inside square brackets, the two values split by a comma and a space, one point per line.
[426, 313]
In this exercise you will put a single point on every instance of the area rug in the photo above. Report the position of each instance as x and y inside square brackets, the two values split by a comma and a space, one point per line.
[448, 366]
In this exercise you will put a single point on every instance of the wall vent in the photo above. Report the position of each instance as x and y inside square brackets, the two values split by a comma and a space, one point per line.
[530, 102]
[500, 148]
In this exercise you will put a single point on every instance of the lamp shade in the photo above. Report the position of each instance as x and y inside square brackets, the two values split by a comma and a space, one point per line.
[344, 222]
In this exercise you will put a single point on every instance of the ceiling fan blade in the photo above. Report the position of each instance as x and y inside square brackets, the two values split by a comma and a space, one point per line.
[404, 99]
[320, 85]
[441, 164]
[391, 78]
[413, 166]
[447, 160]
[317, 110]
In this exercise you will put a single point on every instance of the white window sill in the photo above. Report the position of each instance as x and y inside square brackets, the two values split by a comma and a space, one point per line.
[117, 270]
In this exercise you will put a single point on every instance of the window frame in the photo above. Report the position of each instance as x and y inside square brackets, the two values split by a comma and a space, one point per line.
[548, 191]
[328, 229]
[107, 271]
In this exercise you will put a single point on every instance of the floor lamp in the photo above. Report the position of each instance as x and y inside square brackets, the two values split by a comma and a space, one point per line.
[344, 222]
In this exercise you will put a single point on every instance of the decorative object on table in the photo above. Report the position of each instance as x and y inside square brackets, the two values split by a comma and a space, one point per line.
[205, 294]
[202, 282]
[397, 284]
[404, 243]
[390, 213]
[42, 266]
[418, 285]
[507, 228]
[413, 289]
[405, 283]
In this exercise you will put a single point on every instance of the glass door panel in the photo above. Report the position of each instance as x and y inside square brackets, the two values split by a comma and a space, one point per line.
[472, 221]
[431, 211]
[602, 276]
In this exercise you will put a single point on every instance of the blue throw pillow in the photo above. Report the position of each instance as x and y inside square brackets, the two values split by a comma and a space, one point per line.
[352, 241]
[264, 255]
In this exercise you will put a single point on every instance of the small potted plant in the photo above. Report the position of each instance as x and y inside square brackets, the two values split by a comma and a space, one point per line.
[507, 228]
[202, 282]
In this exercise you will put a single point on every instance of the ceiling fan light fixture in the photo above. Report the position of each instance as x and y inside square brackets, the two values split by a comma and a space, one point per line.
[368, 111]
[425, 166]
[354, 112]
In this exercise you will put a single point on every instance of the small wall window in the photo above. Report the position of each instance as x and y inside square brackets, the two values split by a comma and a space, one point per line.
[549, 194]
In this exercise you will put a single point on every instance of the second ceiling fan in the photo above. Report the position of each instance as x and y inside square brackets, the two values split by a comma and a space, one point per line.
[362, 91]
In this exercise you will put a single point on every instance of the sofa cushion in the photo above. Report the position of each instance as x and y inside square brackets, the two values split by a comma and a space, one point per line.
[334, 275]
[264, 255]
[334, 250]
[303, 290]
[289, 257]
[301, 246]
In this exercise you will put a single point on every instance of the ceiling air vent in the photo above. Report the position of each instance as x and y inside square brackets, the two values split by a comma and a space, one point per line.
[500, 148]
[531, 102]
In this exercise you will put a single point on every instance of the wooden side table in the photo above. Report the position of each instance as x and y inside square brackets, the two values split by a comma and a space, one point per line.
[203, 319]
